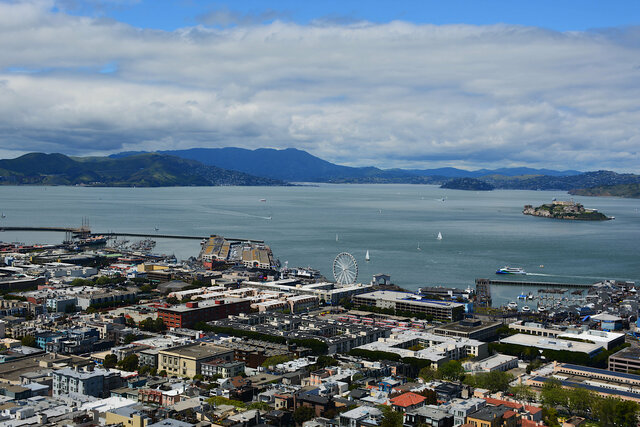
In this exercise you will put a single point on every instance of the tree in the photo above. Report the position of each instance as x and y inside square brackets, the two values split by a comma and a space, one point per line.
[275, 360]
[427, 373]
[129, 363]
[262, 406]
[29, 341]
[172, 300]
[324, 361]
[110, 361]
[550, 417]
[451, 370]
[553, 394]
[302, 414]
[494, 381]
[145, 289]
[391, 418]
[580, 400]
[612, 412]
[523, 392]
[162, 373]
[129, 338]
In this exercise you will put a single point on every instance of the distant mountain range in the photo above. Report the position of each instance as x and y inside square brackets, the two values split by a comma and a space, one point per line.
[142, 170]
[237, 166]
[299, 166]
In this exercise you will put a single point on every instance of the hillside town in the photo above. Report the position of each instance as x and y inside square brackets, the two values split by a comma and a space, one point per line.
[96, 336]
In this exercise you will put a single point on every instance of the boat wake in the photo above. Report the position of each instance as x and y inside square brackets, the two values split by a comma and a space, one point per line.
[238, 214]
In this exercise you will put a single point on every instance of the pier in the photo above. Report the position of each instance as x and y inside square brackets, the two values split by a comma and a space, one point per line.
[526, 283]
[87, 232]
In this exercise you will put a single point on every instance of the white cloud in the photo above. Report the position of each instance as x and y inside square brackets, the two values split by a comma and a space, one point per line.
[392, 95]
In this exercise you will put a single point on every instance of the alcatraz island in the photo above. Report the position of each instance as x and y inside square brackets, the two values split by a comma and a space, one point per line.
[565, 210]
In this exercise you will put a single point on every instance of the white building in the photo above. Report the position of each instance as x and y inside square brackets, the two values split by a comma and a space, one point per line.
[497, 362]
[436, 348]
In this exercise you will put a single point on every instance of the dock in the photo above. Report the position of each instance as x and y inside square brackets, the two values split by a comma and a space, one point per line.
[536, 284]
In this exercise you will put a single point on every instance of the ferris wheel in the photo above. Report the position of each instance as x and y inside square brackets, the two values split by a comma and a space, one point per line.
[345, 268]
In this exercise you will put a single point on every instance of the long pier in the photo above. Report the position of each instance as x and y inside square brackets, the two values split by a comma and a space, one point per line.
[113, 234]
[173, 236]
[526, 283]
[57, 229]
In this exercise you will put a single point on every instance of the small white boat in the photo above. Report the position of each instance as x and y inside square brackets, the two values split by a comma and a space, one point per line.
[439, 236]
[156, 228]
[512, 305]
[366, 257]
[526, 309]
[419, 246]
[542, 309]
[336, 237]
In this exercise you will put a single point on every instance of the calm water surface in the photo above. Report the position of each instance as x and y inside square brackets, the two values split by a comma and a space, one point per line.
[481, 231]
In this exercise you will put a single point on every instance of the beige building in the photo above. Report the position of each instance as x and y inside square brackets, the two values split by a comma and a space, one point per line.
[187, 360]
[126, 417]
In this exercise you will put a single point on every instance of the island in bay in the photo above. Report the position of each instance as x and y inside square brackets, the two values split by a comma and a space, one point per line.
[565, 210]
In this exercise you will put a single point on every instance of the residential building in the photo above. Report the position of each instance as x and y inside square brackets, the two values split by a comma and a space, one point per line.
[187, 360]
[95, 383]
[428, 416]
[362, 416]
[187, 315]
[493, 416]
[407, 402]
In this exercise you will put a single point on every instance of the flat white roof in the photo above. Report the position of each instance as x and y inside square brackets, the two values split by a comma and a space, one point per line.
[595, 336]
[551, 343]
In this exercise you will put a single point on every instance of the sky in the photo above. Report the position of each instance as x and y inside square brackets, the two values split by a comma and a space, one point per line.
[412, 84]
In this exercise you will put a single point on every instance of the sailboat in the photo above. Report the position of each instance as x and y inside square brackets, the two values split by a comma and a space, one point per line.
[366, 257]
[439, 236]
[336, 237]
[419, 246]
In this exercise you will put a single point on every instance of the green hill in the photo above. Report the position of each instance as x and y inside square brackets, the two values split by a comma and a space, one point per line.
[631, 191]
[142, 170]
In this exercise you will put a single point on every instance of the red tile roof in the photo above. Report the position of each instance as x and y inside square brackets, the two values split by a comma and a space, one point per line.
[529, 423]
[408, 399]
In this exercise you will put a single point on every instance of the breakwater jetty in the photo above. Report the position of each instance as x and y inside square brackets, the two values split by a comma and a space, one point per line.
[531, 283]
[86, 232]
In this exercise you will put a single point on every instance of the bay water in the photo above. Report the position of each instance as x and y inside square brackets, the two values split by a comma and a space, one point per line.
[397, 224]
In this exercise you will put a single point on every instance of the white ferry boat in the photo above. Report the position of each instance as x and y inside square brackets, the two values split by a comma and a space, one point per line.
[511, 270]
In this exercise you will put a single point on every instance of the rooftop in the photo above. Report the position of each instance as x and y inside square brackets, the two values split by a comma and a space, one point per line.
[408, 399]
[628, 353]
[196, 351]
[551, 343]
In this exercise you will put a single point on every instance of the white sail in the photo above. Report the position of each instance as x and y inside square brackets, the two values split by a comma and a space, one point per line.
[366, 257]
[439, 236]
[336, 237]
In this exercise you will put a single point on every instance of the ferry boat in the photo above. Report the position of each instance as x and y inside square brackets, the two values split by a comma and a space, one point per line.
[513, 305]
[511, 270]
